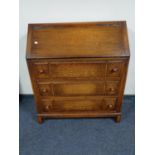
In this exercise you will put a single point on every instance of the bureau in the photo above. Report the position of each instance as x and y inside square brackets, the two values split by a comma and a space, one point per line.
[78, 69]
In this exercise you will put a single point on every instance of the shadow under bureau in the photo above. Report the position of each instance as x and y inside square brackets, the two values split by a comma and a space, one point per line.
[78, 69]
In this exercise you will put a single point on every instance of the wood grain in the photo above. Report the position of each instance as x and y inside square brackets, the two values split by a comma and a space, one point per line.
[69, 40]
[78, 69]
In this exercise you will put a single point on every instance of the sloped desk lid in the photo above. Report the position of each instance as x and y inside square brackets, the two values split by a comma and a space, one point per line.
[77, 40]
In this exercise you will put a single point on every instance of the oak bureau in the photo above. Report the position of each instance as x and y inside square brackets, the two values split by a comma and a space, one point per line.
[78, 69]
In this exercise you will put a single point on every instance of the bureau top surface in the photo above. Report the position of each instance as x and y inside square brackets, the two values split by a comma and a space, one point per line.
[77, 40]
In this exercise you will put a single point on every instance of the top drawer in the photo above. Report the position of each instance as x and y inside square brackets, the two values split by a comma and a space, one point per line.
[74, 71]
[70, 70]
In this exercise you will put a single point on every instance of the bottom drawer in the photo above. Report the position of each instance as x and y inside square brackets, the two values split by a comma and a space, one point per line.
[103, 104]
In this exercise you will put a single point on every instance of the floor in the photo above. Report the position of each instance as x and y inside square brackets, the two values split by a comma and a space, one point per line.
[76, 136]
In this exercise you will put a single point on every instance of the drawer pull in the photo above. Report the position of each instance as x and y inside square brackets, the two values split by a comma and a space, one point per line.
[41, 71]
[111, 89]
[47, 107]
[44, 90]
[110, 106]
[114, 70]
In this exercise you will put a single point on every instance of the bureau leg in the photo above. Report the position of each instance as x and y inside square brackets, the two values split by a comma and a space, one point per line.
[117, 119]
[40, 119]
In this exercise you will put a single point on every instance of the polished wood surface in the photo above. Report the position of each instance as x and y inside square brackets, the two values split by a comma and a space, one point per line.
[69, 40]
[78, 69]
[89, 104]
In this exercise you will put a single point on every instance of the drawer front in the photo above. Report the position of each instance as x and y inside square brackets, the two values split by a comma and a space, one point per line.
[71, 89]
[75, 89]
[69, 70]
[105, 104]
[78, 88]
[78, 70]
[110, 70]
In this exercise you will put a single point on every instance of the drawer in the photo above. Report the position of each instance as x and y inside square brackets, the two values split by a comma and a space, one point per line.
[78, 89]
[114, 70]
[112, 88]
[104, 104]
[69, 70]
[78, 70]
[71, 88]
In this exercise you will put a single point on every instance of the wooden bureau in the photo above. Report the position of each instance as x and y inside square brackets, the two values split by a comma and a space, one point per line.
[78, 69]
